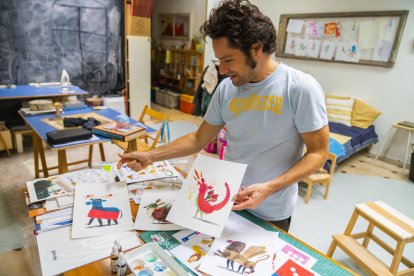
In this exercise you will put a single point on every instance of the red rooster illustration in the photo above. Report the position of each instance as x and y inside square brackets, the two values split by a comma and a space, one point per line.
[206, 200]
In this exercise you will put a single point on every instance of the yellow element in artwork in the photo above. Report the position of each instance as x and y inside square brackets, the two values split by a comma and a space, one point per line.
[198, 253]
[256, 103]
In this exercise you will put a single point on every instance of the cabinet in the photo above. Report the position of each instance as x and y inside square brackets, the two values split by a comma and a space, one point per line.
[178, 69]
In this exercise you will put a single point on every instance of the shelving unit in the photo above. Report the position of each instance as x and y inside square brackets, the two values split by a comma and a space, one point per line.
[178, 69]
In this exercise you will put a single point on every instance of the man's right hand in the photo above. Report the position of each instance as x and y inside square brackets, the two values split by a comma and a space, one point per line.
[135, 160]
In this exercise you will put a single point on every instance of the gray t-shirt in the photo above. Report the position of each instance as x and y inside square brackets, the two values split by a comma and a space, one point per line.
[263, 123]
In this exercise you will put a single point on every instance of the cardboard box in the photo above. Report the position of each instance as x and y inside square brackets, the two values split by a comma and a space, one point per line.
[5, 133]
[136, 25]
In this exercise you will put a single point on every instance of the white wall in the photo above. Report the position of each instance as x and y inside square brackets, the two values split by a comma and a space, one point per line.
[197, 9]
[390, 90]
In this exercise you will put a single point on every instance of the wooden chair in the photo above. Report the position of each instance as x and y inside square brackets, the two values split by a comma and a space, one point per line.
[386, 219]
[148, 140]
[322, 177]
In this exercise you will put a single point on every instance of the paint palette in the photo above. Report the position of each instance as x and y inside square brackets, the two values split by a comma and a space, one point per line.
[150, 259]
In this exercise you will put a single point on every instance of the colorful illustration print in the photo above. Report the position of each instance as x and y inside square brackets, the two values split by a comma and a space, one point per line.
[99, 212]
[206, 200]
[235, 253]
[158, 211]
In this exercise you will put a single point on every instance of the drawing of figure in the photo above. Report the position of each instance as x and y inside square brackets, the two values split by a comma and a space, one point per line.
[159, 211]
[234, 253]
[206, 200]
[99, 212]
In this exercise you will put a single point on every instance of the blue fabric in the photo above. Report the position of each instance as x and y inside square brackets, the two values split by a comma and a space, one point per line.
[360, 138]
[358, 135]
[28, 91]
[40, 127]
[336, 148]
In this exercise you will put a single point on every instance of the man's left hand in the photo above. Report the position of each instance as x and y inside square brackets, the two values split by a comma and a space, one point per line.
[251, 197]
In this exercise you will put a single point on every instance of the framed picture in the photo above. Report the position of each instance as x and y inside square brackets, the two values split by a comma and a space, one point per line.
[174, 26]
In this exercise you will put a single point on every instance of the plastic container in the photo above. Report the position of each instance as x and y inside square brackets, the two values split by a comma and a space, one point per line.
[186, 103]
[151, 259]
[171, 99]
[159, 96]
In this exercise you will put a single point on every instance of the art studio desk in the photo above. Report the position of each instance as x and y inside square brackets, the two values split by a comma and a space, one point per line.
[324, 264]
[32, 92]
[41, 126]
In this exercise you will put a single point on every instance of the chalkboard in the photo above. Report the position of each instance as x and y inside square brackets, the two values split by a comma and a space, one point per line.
[366, 38]
[39, 38]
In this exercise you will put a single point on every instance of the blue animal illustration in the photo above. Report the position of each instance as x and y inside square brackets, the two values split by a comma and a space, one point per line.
[98, 211]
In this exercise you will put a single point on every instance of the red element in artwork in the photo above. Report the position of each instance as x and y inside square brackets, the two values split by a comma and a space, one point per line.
[290, 268]
[102, 214]
[206, 199]
[179, 29]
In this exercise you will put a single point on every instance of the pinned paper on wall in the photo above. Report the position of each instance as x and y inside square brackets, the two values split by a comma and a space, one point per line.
[301, 48]
[341, 51]
[388, 29]
[313, 48]
[204, 201]
[383, 51]
[368, 34]
[153, 210]
[291, 44]
[329, 29]
[327, 49]
[294, 26]
[353, 52]
[314, 29]
[100, 209]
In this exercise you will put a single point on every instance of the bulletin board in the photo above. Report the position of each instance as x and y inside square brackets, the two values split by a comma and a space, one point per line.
[365, 38]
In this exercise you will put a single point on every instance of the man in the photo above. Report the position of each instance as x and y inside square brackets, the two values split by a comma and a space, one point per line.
[270, 110]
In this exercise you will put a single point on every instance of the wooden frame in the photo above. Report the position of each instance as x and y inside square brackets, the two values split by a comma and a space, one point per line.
[400, 15]
[174, 26]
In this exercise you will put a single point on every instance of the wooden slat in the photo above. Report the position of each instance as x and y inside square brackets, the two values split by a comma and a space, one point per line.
[361, 255]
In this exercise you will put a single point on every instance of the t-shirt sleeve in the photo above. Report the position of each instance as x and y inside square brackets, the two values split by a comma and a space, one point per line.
[214, 115]
[308, 105]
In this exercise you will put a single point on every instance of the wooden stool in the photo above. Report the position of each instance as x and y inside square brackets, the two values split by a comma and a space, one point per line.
[390, 221]
[18, 133]
[397, 127]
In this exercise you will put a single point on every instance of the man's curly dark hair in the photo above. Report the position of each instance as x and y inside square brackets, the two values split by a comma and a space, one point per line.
[243, 24]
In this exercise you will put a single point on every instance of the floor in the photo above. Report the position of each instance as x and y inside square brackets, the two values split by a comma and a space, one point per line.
[25, 262]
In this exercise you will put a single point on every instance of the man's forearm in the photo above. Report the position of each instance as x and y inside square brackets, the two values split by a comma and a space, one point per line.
[182, 146]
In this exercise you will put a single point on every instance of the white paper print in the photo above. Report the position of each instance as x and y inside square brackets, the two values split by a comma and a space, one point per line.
[158, 170]
[353, 52]
[291, 44]
[327, 49]
[59, 253]
[368, 34]
[194, 246]
[153, 210]
[383, 51]
[302, 47]
[313, 48]
[47, 188]
[244, 248]
[341, 51]
[100, 209]
[314, 29]
[294, 26]
[204, 201]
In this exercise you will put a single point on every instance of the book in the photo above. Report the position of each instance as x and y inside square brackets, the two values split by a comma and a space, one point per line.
[119, 131]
